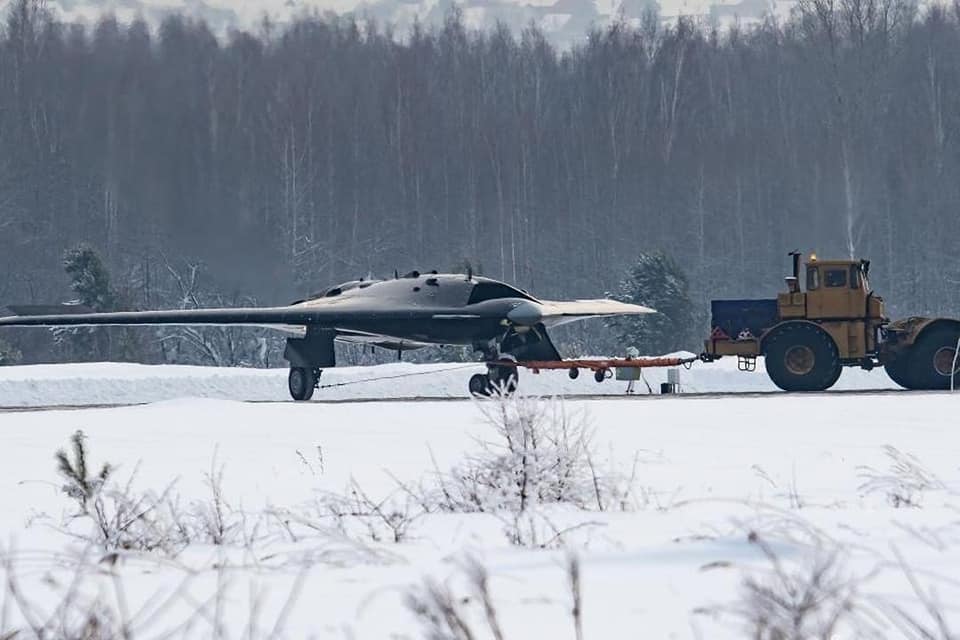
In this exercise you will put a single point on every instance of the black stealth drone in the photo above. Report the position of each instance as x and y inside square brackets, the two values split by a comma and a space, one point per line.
[409, 312]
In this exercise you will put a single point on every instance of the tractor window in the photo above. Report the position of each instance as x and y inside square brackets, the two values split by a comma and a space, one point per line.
[854, 277]
[813, 278]
[835, 278]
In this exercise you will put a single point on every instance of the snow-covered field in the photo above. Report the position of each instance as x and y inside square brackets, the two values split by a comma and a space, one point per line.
[853, 497]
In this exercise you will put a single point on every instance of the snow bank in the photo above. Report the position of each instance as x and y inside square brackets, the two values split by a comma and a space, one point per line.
[115, 383]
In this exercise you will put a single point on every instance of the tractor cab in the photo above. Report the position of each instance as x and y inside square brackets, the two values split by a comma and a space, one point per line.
[833, 290]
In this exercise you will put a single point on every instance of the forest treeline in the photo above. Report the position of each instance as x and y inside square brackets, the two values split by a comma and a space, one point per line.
[264, 166]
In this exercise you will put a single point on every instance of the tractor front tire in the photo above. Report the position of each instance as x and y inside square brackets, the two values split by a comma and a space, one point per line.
[800, 356]
[301, 382]
[931, 358]
[835, 377]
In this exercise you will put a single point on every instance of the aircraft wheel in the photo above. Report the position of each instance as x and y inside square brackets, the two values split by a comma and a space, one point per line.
[801, 357]
[301, 382]
[599, 375]
[504, 380]
[479, 385]
[574, 373]
[932, 358]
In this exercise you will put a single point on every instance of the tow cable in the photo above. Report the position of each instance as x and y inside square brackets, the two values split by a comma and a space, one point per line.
[400, 375]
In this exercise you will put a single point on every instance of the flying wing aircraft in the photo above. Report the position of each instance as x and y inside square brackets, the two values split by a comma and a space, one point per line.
[409, 312]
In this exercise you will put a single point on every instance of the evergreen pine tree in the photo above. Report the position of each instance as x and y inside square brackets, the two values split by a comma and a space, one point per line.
[90, 281]
[656, 281]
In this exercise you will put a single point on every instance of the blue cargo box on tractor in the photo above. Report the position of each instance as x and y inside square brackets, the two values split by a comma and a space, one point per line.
[737, 318]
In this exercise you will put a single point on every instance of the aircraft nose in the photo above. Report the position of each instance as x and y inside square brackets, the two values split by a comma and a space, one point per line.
[525, 313]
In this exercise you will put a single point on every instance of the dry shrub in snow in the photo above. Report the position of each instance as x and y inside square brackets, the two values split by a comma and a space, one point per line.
[791, 492]
[536, 528]
[444, 615]
[810, 600]
[213, 521]
[71, 614]
[541, 455]
[81, 599]
[355, 514]
[904, 483]
[125, 518]
[925, 621]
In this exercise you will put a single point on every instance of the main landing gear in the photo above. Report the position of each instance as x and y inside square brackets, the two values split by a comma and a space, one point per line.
[302, 382]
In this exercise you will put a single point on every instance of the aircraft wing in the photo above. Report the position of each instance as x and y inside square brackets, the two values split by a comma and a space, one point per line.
[287, 317]
[349, 319]
[561, 312]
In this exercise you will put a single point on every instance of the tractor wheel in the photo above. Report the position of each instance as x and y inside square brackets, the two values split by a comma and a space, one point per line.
[479, 385]
[900, 369]
[801, 357]
[836, 377]
[931, 358]
[301, 382]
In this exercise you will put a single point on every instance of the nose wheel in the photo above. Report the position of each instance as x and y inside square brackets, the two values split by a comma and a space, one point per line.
[499, 380]
[479, 385]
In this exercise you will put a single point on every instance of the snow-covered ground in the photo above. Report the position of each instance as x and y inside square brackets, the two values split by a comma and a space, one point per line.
[112, 383]
[871, 480]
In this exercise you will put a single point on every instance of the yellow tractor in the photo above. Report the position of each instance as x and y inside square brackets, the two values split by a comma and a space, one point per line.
[807, 335]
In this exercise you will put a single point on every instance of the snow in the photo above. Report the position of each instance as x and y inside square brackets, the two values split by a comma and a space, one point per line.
[114, 383]
[712, 469]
